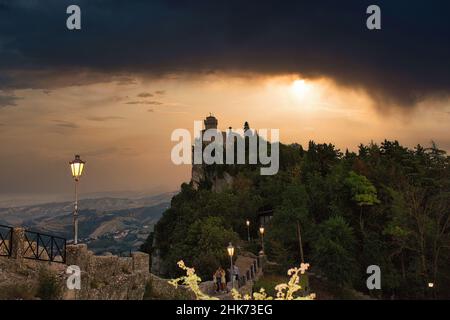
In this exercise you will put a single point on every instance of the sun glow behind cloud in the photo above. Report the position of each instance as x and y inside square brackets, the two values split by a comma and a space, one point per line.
[300, 88]
[128, 147]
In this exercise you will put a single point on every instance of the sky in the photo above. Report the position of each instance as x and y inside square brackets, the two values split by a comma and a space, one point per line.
[137, 70]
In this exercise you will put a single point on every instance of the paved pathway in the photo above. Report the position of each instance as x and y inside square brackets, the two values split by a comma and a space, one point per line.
[244, 263]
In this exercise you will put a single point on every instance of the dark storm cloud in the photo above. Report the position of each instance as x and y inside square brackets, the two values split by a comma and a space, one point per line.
[402, 63]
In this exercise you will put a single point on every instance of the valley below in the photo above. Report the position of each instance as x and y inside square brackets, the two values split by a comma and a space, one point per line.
[107, 225]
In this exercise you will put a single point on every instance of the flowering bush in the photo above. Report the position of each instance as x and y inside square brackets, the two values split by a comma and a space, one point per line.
[285, 291]
[191, 280]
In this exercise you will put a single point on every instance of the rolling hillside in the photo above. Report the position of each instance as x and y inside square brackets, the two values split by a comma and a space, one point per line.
[115, 225]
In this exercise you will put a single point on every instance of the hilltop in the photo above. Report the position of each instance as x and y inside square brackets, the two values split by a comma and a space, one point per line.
[385, 205]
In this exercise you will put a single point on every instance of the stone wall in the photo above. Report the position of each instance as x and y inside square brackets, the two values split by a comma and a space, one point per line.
[161, 289]
[108, 277]
[21, 279]
[102, 277]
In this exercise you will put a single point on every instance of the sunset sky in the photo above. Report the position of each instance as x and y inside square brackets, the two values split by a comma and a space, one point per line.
[115, 90]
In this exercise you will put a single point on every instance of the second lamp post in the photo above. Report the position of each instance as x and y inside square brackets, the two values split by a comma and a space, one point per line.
[230, 250]
[261, 232]
[248, 229]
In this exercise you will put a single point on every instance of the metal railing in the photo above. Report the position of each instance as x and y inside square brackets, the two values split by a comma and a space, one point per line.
[5, 240]
[44, 247]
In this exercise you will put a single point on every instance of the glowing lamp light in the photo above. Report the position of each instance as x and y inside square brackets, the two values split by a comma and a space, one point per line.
[261, 231]
[77, 166]
[247, 223]
[430, 284]
[230, 250]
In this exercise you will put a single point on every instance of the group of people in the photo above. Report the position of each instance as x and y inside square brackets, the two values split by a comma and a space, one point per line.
[220, 280]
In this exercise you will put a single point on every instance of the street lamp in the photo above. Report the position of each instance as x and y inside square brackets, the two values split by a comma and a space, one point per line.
[248, 229]
[76, 166]
[230, 250]
[261, 232]
[431, 287]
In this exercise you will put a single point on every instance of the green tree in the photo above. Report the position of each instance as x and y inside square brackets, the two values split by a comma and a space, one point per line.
[205, 245]
[282, 237]
[334, 249]
[363, 193]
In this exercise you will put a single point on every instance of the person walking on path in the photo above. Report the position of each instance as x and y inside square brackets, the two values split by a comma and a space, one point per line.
[236, 275]
[216, 289]
[223, 280]
[217, 280]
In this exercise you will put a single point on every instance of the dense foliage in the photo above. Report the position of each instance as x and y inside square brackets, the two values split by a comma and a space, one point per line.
[385, 205]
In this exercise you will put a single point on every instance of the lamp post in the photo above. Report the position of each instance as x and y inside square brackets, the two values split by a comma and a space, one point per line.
[248, 229]
[76, 166]
[431, 287]
[261, 232]
[230, 250]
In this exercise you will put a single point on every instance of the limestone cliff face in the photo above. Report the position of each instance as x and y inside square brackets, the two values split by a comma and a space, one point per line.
[201, 173]
[218, 183]
[197, 175]
[221, 184]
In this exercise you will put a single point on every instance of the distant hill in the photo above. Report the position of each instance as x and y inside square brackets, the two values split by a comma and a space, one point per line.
[115, 225]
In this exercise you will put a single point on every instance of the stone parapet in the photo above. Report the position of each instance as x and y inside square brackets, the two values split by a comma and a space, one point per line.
[110, 277]
[102, 277]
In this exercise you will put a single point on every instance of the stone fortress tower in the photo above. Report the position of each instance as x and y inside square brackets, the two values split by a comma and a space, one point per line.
[210, 122]
[198, 173]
